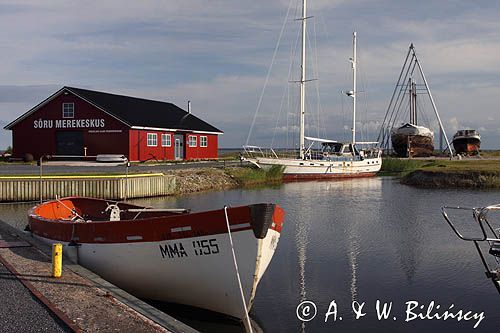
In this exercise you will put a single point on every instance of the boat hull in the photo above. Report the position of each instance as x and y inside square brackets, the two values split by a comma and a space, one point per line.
[467, 142]
[173, 271]
[295, 169]
[420, 139]
[467, 146]
[185, 259]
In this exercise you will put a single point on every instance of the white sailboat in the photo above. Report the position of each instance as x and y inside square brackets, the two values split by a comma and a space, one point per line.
[335, 159]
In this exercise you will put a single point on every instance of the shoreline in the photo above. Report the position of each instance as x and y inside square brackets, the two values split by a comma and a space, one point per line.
[202, 180]
[426, 173]
[458, 179]
[216, 179]
[445, 173]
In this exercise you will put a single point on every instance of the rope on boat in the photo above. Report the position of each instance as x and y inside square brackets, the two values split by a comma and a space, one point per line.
[73, 211]
[247, 317]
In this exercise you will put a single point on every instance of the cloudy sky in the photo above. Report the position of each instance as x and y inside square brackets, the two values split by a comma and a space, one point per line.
[217, 54]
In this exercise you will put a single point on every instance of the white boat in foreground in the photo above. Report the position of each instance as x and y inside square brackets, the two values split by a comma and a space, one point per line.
[335, 159]
[167, 255]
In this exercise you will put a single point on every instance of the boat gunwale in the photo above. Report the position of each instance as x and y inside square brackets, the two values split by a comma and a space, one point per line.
[151, 229]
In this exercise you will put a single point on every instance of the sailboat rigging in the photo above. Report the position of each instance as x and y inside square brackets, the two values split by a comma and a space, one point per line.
[335, 159]
[409, 139]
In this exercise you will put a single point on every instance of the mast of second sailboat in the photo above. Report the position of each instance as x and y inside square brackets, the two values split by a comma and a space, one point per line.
[303, 81]
[353, 93]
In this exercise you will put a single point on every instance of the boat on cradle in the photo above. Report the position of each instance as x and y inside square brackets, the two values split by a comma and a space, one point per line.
[467, 142]
[407, 137]
[334, 159]
[486, 222]
[412, 140]
[170, 255]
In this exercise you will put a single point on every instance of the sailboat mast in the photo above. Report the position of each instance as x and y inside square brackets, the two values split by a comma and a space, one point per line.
[303, 81]
[354, 92]
[410, 93]
[414, 94]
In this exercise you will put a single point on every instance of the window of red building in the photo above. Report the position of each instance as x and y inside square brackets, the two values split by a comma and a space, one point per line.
[152, 140]
[192, 141]
[68, 110]
[166, 140]
[203, 141]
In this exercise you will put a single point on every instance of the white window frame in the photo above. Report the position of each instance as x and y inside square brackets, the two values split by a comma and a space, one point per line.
[65, 112]
[152, 140]
[193, 143]
[204, 141]
[168, 140]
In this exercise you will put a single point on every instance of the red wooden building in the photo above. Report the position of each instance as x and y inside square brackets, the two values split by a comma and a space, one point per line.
[81, 122]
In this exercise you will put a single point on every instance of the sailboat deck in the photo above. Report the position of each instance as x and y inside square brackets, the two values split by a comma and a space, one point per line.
[315, 155]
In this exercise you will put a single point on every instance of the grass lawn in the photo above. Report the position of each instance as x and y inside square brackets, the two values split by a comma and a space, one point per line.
[394, 165]
[248, 176]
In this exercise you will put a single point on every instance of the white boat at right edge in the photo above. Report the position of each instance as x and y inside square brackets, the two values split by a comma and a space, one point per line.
[335, 159]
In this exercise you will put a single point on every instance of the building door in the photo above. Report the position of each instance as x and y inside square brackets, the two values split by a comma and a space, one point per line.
[69, 143]
[179, 146]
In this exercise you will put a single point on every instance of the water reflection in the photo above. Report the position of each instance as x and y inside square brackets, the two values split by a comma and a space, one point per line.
[301, 241]
[16, 214]
[353, 252]
[361, 240]
[408, 236]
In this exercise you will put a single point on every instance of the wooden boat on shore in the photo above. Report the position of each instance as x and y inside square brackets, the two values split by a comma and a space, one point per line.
[412, 140]
[164, 254]
[467, 142]
[408, 137]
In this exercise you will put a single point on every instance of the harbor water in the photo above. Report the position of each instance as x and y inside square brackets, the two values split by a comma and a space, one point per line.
[355, 244]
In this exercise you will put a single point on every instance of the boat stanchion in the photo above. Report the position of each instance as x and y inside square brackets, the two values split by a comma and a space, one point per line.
[56, 260]
[489, 234]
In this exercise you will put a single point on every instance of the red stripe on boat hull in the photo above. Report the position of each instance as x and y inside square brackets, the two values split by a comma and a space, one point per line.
[43, 222]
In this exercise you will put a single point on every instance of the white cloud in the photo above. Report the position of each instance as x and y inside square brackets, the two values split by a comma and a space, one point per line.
[216, 54]
[453, 124]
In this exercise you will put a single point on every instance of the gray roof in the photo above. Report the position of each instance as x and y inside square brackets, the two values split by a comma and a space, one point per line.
[135, 111]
